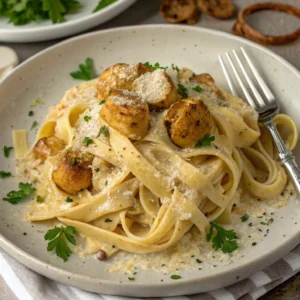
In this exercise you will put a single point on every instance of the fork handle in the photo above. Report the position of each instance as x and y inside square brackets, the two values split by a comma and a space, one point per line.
[286, 156]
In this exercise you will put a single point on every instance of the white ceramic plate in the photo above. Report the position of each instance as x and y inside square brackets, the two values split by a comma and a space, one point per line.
[80, 21]
[47, 76]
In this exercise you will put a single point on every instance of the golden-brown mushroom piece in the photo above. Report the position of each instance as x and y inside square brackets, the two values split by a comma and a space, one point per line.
[47, 146]
[188, 121]
[72, 172]
[178, 11]
[126, 112]
[157, 89]
[220, 9]
[119, 76]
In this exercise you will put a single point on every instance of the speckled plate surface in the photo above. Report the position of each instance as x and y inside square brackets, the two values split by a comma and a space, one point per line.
[46, 75]
[79, 21]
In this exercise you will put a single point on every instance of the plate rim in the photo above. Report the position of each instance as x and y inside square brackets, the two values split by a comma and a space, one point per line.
[41, 267]
[67, 25]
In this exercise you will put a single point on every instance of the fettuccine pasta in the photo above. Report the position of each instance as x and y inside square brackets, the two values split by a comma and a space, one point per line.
[144, 155]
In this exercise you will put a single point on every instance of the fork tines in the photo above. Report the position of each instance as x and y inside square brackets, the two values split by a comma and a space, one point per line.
[253, 98]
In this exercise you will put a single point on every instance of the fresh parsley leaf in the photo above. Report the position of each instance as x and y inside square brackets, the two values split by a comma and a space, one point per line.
[175, 277]
[74, 161]
[15, 197]
[198, 89]
[106, 183]
[36, 102]
[175, 68]
[102, 101]
[205, 141]
[31, 113]
[156, 66]
[68, 199]
[198, 261]
[4, 174]
[131, 278]
[55, 10]
[34, 124]
[222, 238]
[39, 199]
[7, 150]
[58, 238]
[103, 3]
[108, 220]
[86, 71]
[103, 130]
[87, 141]
[97, 170]
[87, 118]
[244, 218]
[183, 91]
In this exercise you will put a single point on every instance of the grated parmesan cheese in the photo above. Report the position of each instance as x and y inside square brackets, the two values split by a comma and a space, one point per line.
[152, 86]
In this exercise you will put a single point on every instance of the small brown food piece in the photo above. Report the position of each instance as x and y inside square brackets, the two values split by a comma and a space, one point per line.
[127, 113]
[242, 28]
[47, 146]
[188, 121]
[101, 255]
[72, 172]
[178, 11]
[207, 80]
[119, 76]
[220, 9]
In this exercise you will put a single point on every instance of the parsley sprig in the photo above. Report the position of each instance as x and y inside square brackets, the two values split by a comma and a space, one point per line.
[103, 130]
[205, 141]
[182, 90]
[104, 3]
[7, 150]
[86, 70]
[87, 141]
[156, 66]
[4, 174]
[58, 238]
[23, 12]
[221, 238]
[15, 197]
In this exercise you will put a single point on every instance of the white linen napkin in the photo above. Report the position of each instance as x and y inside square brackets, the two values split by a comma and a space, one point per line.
[28, 285]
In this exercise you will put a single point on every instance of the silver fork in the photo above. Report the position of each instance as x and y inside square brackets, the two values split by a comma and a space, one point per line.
[266, 107]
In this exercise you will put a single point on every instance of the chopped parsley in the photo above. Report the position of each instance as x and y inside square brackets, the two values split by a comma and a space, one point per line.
[205, 141]
[86, 71]
[183, 91]
[103, 3]
[222, 238]
[106, 183]
[39, 199]
[175, 68]
[103, 130]
[7, 150]
[97, 170]
[68, 199]
[15, 197]
[74, 161]
[131, 278]
[175, 277]
[87, 118]
[31, 113]
[4, 174]
[198, 89]
[108, 220]
[245, 218]
[156, 66]
[36, 102]
[198, 261]
[34, 124]
[102, 101]
[87, 141]
[58, 238]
